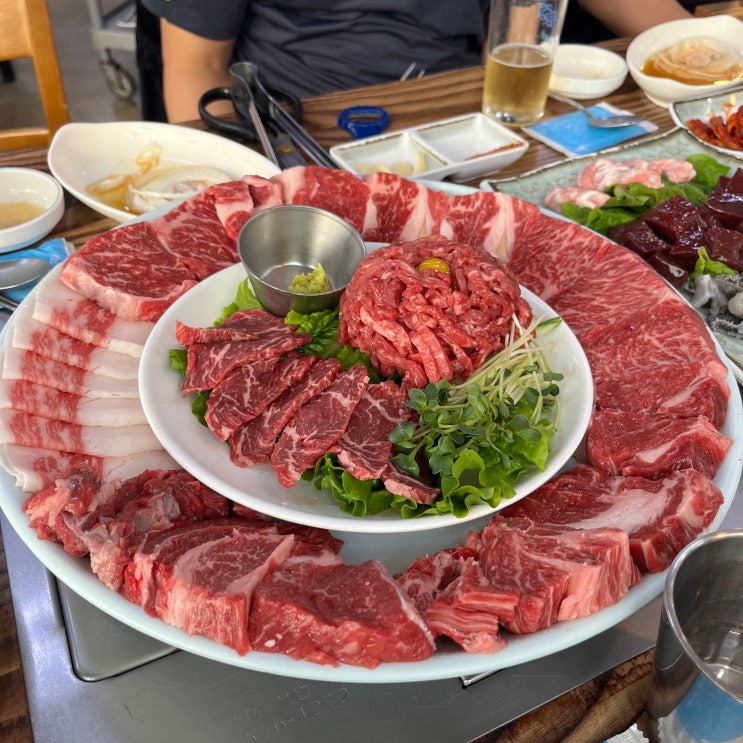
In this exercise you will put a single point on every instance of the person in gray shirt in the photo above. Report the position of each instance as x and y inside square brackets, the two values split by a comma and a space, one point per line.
[311, 47]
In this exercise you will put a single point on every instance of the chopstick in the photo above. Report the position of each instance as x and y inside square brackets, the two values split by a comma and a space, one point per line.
[7, 303]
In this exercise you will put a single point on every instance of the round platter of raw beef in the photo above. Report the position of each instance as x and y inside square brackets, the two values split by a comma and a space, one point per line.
[90, 489]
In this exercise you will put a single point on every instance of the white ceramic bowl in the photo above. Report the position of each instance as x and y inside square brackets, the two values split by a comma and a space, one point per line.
[26, 186]
[82, 153]
[661, 90]
[582, 71]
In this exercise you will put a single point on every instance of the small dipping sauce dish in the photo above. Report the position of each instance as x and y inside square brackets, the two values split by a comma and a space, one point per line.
[282, 242]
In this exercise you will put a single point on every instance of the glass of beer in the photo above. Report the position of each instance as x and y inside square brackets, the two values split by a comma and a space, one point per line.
[522, 38]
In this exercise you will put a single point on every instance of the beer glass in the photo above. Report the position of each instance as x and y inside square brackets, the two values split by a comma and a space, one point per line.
[522, 38]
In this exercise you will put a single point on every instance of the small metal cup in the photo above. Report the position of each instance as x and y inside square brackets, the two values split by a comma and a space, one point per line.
[697, 692]
[277, 244]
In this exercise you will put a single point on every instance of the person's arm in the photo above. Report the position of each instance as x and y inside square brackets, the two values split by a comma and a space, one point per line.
[191, 66]
[630, 17]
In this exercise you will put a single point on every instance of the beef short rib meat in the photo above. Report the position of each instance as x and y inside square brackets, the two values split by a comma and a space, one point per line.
[355, 614]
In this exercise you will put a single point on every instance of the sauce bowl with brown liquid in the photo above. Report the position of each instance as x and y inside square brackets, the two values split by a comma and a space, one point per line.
[31, 204]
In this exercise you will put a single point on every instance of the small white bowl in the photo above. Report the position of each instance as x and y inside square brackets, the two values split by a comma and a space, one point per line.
[582, 71]
[26, 186]
[663, 90]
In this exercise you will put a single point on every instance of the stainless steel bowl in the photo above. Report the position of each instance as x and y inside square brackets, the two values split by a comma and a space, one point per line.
[279, 243]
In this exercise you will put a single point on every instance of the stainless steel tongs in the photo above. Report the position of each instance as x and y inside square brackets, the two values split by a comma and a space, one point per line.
[251, 89]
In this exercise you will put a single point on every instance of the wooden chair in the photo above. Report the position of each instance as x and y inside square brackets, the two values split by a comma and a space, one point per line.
[26, 31]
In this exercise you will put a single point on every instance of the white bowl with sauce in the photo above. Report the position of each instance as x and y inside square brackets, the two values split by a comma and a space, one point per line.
[31, 204]
[583, 71]
[725, 31]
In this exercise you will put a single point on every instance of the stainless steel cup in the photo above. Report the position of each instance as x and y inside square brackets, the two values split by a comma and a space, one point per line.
[281, 242]
[697, 692]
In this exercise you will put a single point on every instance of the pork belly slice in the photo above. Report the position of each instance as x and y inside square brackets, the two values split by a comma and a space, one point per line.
[253, 442]
[193, 232]
[71, 313]
[660, 516]
[34, 468]
[244, 325]
[31, 335]
[207, 364]
[36, 398]
[364, 448]
[317, 425]
[26, 429]
[558, 573]
[246, 391]
[30, 367]
[334, 190]
[129, 272]
[662, 360]
[486, 220]
[331, 614]
[623, 443]
[406, 209]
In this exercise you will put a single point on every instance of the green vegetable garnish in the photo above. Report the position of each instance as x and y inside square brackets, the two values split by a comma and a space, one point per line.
[710, 266]
[313, 282]
[477, 437]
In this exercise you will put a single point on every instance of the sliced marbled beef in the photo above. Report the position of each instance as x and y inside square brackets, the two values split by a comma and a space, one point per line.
[244, 325]
[253, 442]
[129, 272]
[364, 449]
[246, 391]
[623, 443]
[207, 364]
[331, 614]
[192, 231]
[661, 516]
[317, 425]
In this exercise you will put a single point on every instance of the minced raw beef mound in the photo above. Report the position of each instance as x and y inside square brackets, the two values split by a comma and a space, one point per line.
[429, 319]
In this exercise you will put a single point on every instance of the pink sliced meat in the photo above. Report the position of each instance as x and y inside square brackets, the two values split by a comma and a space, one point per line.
[406, 210]
[35, 469]
[335, 191]
[192, 231]
[662, 360]
[364, 448]
[317, 425]
[29, 366]
[409, 486]
[486, 220]
[253, 442]
[27, 429]
[207, 364]
[661, 516]
[237, 201]
[69, 312]
[129, 272]
[355, 614]
[31, 335]
[623, 443]
[48, 402]
[246, 392]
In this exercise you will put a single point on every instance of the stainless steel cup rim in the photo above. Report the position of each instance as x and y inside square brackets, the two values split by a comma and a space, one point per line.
[669, 608]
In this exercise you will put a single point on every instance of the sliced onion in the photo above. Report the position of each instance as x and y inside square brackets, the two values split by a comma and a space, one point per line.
[162, 186]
